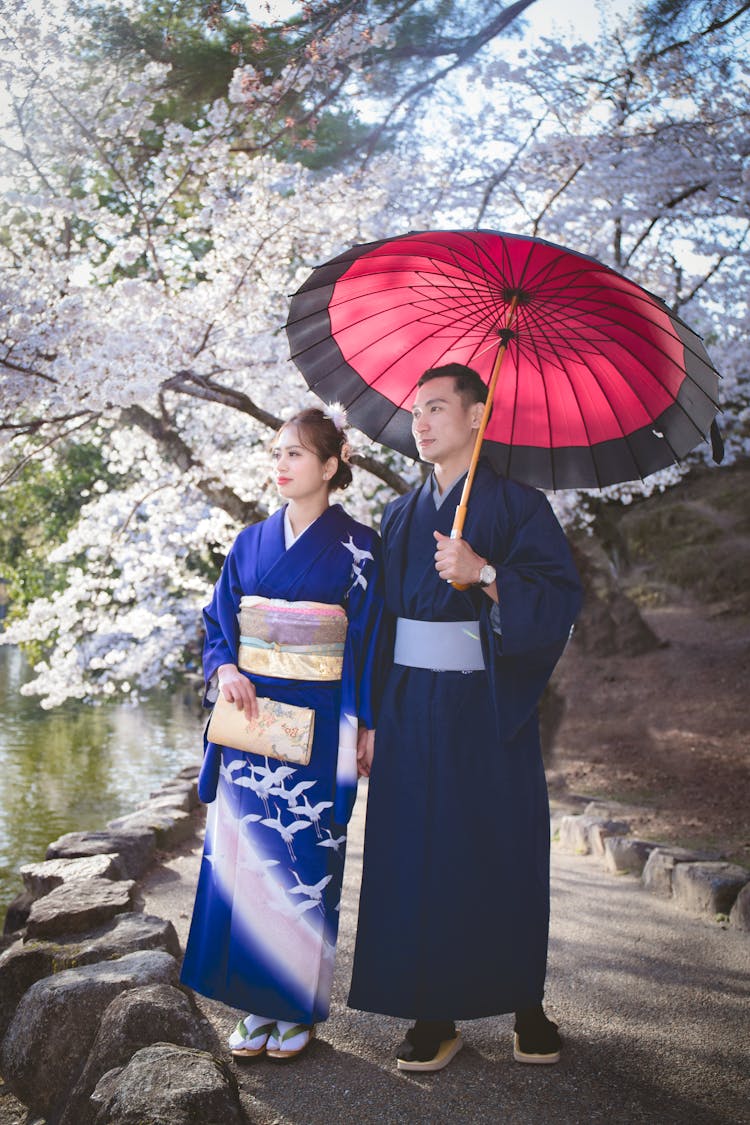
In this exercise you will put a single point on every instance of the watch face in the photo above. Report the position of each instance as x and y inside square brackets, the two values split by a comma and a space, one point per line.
[487, 575]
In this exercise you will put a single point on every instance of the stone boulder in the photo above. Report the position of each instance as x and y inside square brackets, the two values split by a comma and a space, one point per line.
[584, 835]
[740, 915]
[186, 787]
[51, 1034]
[708, 888]
[613, 810]
[134, 846]
[78, 906]
[188, 773]
[27, 962]
[168, 1085]
[41, 878]
[660, 866]
[626, 854]
[600, 828]
[156, 1013]
[178, 800]
[171, 827]
[18, 912]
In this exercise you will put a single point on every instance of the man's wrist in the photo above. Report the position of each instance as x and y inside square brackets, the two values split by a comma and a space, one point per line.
[487, 574]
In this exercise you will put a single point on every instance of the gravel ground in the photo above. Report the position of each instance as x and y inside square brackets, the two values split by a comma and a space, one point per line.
[653, 1005]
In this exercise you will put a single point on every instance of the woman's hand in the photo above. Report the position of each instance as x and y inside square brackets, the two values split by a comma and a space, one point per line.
[238, 689]
[365, 751]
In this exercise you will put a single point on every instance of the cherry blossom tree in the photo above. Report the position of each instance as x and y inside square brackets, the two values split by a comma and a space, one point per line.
[147, 263]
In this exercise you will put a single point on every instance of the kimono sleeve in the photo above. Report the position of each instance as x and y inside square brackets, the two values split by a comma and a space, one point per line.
[363, 668]
[363, 664]
[220, 616]
[538, 586]
[219, 647]
[539, 599]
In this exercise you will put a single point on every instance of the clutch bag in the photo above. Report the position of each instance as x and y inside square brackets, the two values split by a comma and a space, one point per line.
[280, 731]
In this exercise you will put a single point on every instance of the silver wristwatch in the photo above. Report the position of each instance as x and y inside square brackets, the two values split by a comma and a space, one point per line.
[487, 575]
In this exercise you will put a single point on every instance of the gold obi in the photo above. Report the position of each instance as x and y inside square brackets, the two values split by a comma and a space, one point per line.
[291, 640]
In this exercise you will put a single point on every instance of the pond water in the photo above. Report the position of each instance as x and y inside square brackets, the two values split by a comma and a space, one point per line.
[78, 766]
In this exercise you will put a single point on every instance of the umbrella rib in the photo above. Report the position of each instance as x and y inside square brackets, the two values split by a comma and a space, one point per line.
[648, 370]
[540, 368]
[624, 436]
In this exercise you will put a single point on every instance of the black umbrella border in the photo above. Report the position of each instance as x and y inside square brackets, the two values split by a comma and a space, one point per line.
[658, 445]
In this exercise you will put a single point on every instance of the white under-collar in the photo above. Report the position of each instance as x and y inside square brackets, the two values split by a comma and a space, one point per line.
[289, 536]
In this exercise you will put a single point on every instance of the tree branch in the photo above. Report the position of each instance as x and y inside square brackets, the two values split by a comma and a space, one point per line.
[203, 387]
[179, 453]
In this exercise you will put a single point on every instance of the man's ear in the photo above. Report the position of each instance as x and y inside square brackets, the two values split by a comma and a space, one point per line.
[477, 412]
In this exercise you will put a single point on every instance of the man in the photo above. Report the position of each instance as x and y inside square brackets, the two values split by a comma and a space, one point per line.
[454, 906]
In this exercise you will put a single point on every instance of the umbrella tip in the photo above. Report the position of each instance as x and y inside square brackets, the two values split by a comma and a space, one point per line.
[506, 335]
[717, 443]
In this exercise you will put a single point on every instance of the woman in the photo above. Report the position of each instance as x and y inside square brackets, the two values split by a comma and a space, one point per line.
[265, 920]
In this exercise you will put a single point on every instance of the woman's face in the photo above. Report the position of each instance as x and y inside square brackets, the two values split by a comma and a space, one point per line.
[299, 472]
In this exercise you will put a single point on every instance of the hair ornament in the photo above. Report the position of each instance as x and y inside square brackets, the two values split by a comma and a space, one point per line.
[337, 413]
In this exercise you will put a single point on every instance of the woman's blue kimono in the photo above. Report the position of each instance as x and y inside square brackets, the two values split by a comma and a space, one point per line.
[454, 906]
[265, 921]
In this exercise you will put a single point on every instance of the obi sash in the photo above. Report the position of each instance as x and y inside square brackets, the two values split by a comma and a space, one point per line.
[441, 646]
[291, 640]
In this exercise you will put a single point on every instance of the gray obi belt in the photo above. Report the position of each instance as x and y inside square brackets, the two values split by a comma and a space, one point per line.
[441, 646]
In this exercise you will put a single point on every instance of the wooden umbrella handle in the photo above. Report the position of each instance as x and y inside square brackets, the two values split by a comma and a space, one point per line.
[463, 504]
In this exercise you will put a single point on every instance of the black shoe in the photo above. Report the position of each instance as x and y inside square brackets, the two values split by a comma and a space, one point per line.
[536, 1038]
[429, 1045]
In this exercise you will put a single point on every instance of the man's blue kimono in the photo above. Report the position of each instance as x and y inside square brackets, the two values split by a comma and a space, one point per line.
[454, 907]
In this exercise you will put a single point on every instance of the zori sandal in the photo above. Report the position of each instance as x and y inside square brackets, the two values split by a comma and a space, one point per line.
[289, 1040]
[250, 1036]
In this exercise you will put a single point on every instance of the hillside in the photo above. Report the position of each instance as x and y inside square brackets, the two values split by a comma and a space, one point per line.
[668, 730]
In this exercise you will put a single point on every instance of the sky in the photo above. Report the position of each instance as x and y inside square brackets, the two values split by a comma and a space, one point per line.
[545, 17]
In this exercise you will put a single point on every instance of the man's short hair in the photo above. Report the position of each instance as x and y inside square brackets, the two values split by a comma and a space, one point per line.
[467, 383]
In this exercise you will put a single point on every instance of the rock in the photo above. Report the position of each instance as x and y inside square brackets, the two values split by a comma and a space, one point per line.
[613, 810]
[20, 966]
[135, 847]
[599, 829]
[75, 907]
[168, 1085]
[660, 865]
[49, 1038]
[18, 912]
[41, 878]
[189, 773]
[178, 801]
[555, 821]
[190, 788]
[625, 853]
[585, 834]
[740, 914]
[170, 828]
[573, 836]
[708, 888]
[27, 962]
[156, 1013]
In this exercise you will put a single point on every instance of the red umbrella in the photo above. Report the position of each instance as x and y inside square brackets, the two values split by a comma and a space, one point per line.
[597, 382]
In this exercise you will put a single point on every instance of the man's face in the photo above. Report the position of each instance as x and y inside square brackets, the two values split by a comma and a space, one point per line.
[443, 427]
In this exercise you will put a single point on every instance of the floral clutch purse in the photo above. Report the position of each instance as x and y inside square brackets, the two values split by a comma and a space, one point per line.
[280, 731]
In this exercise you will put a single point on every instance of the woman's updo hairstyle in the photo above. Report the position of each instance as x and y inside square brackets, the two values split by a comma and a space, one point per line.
[325, 435]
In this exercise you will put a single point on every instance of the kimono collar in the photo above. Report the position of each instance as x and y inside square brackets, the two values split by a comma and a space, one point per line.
[437, 495]
[279, 567]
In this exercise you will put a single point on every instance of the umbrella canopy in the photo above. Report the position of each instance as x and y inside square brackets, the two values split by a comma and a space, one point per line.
[599, 382]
